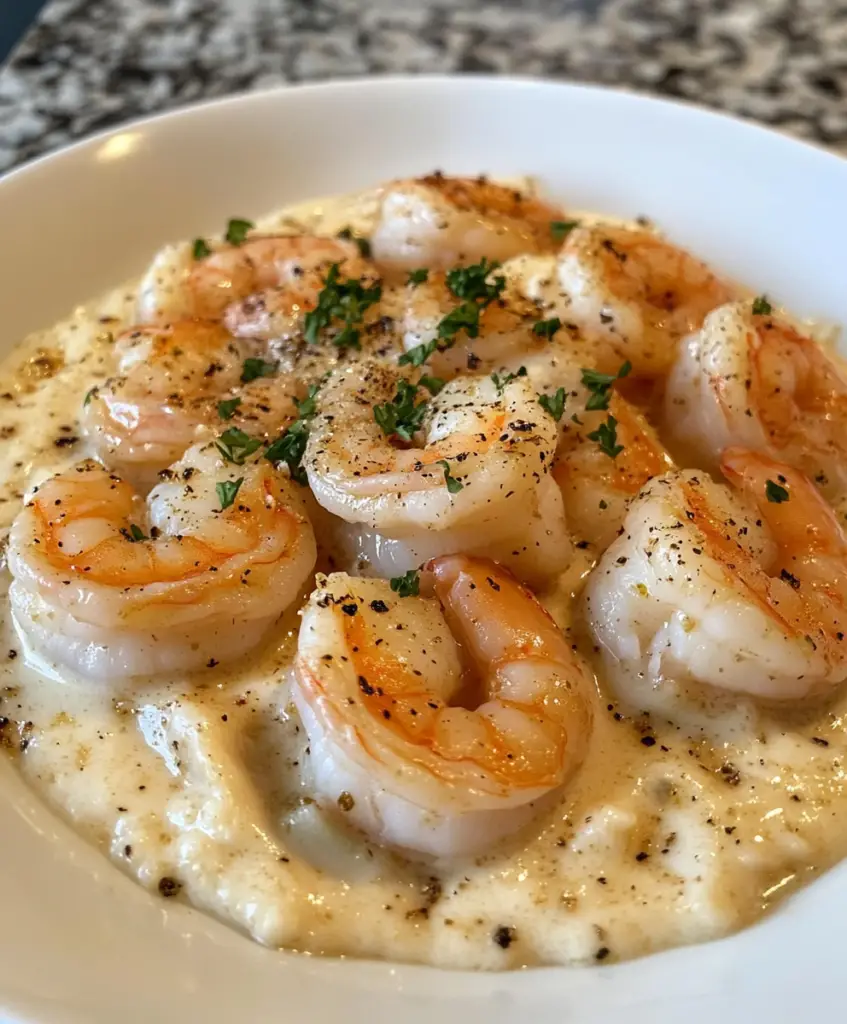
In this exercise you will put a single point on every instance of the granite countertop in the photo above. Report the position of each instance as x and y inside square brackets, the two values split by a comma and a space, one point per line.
[88, 64]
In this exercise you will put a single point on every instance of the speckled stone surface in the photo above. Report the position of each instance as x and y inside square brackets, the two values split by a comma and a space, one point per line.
[88, 64]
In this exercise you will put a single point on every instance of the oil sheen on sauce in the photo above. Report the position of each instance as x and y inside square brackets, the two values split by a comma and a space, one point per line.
[691, 816]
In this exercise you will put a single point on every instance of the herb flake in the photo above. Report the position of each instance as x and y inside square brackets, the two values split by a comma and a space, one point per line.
[227, 491]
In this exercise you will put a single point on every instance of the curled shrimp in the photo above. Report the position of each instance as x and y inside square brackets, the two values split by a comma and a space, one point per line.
[498, 332]
[743, 589]
[437, 754]
[262, 288]
[474, 476]
[439, 222]
[755, 380]
[635, 294]
[171, 379]
[598, 488]
[111, 586]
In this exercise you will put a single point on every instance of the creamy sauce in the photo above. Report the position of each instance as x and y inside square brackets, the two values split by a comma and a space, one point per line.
[689, 818]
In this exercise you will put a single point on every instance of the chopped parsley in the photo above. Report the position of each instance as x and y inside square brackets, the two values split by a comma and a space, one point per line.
[345, 301]
[235, 445]
[227, 407]
[606, 436]
[761, 306]
[553, 404]
[471, 285]
[255, 368]
[463, 318]
[227, 491]
[407, 585]
[560, 229]
[401, 417]
[200, 250]
[453, 485]
[776, 493]
[91, 393]
[471, 282]
[418, 355]
[134, 534]
[290, 446]
[363, 244]
[600, 385]
[236, 230]
[433, 384]
[500, 382]
[418, 276]
[547, 328]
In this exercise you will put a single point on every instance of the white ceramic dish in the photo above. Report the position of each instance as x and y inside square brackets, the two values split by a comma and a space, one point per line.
[81, 943]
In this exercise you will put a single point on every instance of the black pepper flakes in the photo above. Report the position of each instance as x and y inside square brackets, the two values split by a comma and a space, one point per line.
[346, 801]
[169, 887]
[602, 953]
[504, 936]
[379, 606]
[350, 609]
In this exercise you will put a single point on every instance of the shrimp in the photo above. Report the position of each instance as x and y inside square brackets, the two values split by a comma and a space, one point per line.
[634, 293]
[111, 587]
[500, 330]
[755, 380]
[170, 381]
[262, 288]
[743, 589]
[474, 476]
[597, 488]
[439, 222]
[422, 749]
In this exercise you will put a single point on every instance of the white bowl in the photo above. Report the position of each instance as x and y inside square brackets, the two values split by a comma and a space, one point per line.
[80, 942]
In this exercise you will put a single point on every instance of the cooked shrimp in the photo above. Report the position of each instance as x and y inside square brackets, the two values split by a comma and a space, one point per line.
[439, 222]
[475, 475]
[635, 293]
[262, 288]
[744, 589]
[110, 587]
[499, 331]
[597, 488]
[755, 380]
[170, 379]
[440, 721]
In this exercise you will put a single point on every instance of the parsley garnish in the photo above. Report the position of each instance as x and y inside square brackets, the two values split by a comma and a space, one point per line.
[501, 381]
[340, 300]
[255, 368]
[91, 393]
[453, 485]
[235, 445]
[402, 416]
[761, 306]
[417, 276]
[432, 384]
[470, 282]
[776, 492]
[134, 534]
[227, 490]
[236, 230]
[363, 244]
[547, 328]
[290, 446]
[418, 355]
[227, 407]
[200, 250]
[606, 436]
[407, 585]
[560, 229]
[600, 385]
[553, 404]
